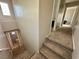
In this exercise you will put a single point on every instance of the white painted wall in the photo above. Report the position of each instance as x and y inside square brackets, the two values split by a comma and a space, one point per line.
[60, 16]
[8, 22]
[45, 15]
[55, 12]
[34, 19]
[75, 36]
[27, 16]
[5, 54]
[74, 22]
[3, 40]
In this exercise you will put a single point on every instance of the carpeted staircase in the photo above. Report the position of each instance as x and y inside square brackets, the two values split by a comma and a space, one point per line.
[58, 45]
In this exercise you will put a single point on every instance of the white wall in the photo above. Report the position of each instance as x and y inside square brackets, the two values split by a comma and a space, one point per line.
[8, 22]
[60, 16]
[34, 19]
[56, 7]
[3, 40]
[75, 36]
[4, 45]
[27, 15]
[45, 14]
[5, 55]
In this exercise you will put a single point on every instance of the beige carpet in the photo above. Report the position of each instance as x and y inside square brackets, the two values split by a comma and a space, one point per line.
[37, 56]
[24, 55]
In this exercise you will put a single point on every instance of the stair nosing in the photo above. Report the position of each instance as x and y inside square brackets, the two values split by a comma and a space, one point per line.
[43, 55]
[45, 44]
[54, 52]
[60, 44]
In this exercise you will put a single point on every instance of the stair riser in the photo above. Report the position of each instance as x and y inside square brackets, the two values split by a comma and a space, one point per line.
[54, 52]
[71, 50]
[65, 53]
[43, 55]
[68, 51]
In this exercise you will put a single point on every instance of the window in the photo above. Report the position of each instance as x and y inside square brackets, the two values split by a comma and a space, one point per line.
[5, 9]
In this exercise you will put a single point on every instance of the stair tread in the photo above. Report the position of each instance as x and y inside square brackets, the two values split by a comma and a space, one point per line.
[58, 49]
[48, 54]
[38, 56]
[62, 38]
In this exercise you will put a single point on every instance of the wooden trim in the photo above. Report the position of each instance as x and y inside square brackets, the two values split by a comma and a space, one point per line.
[12, 30]
[19, 39]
